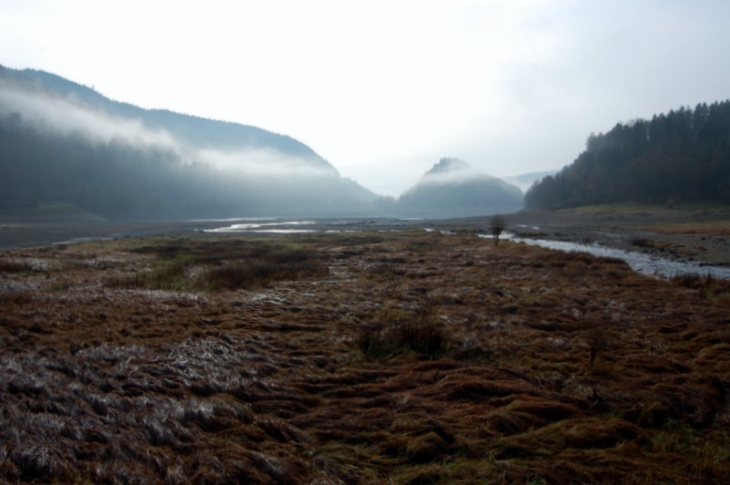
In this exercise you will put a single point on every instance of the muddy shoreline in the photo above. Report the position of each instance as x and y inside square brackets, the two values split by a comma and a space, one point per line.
[694, 236]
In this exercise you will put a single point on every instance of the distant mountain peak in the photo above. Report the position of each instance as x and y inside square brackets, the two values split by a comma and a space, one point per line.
[453, 188]
[451, 170]
[448, 164]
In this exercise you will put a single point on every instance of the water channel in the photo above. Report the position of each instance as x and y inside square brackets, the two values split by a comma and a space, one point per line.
[640, 262]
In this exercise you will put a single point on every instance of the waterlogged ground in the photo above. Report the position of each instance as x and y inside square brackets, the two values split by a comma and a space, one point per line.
[690, 235]
[403, 358]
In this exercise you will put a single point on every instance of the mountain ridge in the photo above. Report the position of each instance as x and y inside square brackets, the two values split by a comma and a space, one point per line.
[160, 117]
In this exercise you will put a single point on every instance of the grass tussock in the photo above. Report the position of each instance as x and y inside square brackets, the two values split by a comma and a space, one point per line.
[399, 332]
[706, 286]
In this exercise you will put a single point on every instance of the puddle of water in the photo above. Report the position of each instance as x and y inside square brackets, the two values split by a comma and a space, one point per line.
[80, 240]
[283, 231]
[264, 227]
[640, 262]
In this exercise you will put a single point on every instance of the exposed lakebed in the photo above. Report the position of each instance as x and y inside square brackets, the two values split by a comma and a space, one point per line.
[641, 262]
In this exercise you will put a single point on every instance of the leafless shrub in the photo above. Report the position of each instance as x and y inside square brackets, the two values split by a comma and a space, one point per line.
[597, 340]
[497, 225]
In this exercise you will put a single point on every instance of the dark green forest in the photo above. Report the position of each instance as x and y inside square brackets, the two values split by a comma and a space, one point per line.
[682, 156]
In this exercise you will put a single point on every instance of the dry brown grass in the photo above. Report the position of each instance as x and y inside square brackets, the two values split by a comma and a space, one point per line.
[714, 228]
[371, 358]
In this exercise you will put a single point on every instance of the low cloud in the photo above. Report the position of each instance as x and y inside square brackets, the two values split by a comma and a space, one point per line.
[455, 174]
[261, 163]
[69, 116]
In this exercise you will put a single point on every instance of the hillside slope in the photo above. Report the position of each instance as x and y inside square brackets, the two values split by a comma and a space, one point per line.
[61, 142]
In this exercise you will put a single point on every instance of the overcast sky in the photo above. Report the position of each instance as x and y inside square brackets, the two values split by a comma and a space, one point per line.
[383, 89]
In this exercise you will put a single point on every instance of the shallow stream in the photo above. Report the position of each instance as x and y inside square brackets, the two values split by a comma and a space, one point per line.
[643, 263]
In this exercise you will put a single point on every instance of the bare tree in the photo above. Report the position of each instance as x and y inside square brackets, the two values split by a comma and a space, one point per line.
[497, 226]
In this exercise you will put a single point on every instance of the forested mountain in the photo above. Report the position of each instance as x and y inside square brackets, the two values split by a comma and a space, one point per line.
[451, 188]
[683, 156]
[61, 142]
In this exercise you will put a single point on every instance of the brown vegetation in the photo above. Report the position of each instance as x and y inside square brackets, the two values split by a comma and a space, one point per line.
[363, 358]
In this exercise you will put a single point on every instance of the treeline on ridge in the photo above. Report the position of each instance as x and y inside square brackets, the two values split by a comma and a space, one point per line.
[683, 156]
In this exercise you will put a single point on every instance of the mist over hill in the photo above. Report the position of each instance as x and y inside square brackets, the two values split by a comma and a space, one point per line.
[452, 188]
[61, 142]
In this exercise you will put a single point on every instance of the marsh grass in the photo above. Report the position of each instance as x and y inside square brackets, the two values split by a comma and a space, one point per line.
[10, 266]
[169, 276]
[260, 274]
[693, 280]
[398, 332]
[714, 228]
[706, 286]
[386, 270]
[466, 374]
[16, 297]
[222, 264]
